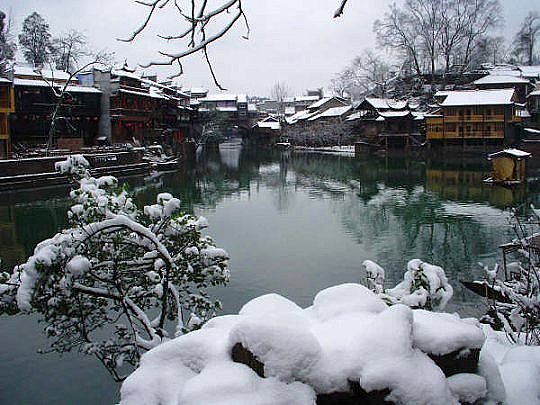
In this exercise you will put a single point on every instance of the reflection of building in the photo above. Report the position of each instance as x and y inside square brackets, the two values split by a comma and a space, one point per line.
[469, 185]
[6, 107]
[11, 251]
[473, 117]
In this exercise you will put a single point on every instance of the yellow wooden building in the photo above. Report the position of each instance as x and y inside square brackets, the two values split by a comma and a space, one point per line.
[7, 106]
[509, 166]
[473, 117]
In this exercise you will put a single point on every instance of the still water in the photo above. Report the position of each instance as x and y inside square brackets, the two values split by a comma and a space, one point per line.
[293, 223]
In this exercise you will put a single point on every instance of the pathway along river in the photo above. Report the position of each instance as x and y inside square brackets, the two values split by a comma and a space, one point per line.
[293, 223]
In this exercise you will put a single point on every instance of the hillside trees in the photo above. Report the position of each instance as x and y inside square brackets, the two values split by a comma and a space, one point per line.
[434, 34]
[526, 38]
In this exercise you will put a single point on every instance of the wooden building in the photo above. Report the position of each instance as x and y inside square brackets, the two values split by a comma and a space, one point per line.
[388, 123]
[509, 166]
[7, 106]
[522, 86]
[474, 117]
[76, 122]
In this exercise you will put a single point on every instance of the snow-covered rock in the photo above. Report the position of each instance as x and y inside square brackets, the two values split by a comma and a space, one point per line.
[348, 335]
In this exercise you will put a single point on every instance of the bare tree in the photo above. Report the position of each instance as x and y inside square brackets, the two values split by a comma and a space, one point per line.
[280, 92]
[525, 40]
[367, 73]
[426, 30]
[68, 49]
[397, 31]
[339, 86]
[482, 16]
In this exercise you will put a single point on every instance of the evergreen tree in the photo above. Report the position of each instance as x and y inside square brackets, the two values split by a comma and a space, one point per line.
[35, 39]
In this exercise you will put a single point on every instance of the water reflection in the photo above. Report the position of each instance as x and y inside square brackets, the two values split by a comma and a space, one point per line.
[294, 223]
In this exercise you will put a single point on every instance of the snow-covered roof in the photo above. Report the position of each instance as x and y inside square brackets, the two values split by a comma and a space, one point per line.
[532, 131]
[43, 83]
[534, 93]
[530, 71]
[82, 89]
[478, 97]
[332, 112]
[501, 79]
[300, 115]
[506, 71]
[252, 107]
[242, 98]
[4, 80]
[198, 90]
[30, 82]
[517, 153]
[268, 124]
[46, 73]
[124, 73]
[386, 103]
[220, 97]
[394, 114]
[137, 93]
[356, 116]
[306, 99]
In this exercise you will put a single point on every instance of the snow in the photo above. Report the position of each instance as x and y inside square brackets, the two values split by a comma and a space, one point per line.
[77, 266]
[385, 103]
[478, 97]
[47, 73]
[443, 333]
[501, 79]
[468, 387]
[319, 103]
[332, 112]
[517, 153]
[348, 334]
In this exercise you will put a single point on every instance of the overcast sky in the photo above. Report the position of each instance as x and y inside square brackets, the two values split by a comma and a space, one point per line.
[293, 41]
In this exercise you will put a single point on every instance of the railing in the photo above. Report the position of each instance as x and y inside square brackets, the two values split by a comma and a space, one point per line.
[466, 135]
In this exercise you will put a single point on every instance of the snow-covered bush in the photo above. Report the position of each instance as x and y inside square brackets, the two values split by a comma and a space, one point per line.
[518, 312]
[119, 278]
[424, 285]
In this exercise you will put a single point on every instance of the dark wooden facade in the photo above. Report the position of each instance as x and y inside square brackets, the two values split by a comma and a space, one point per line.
[35, 102]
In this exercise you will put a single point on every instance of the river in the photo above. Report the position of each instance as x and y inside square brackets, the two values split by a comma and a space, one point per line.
[293, 223]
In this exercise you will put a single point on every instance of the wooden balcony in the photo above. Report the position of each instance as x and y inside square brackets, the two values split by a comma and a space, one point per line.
[466, 135]
[473, 118]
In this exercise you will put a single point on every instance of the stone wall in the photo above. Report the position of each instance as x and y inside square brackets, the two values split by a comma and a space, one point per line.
[320, 133]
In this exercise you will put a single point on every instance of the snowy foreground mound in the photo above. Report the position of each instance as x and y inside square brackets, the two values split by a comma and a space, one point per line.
[348, 337]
